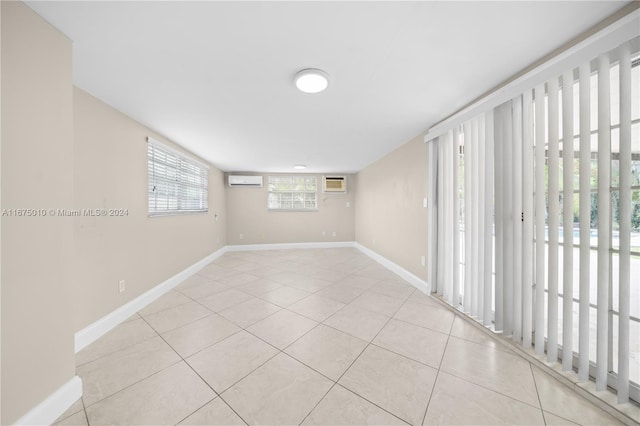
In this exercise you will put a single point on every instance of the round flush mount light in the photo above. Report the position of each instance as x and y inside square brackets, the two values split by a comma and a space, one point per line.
[311, 80]
[299, 167]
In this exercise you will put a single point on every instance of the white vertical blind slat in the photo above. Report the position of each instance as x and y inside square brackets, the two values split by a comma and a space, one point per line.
[499, 217]
[474, 217]
[604, 218]
[624, 274]
[507, 218]
[567, 215]
[441, 215]
[553, 221]
[540, 216]
[488, 218]
[527, 217]
[480, 227]
[433, 214]
[455, 294]
[516, 191]
[448, 199]
[467, 221]
[585, 219]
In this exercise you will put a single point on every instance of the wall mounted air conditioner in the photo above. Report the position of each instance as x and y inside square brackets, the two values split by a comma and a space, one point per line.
[245, 181]
[334, 184]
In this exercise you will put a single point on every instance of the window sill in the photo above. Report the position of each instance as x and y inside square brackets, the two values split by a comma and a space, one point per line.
[292, 210]
[180, 213]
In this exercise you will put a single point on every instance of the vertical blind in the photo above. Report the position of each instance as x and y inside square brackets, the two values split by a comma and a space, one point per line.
[537, 219]
[176, 184]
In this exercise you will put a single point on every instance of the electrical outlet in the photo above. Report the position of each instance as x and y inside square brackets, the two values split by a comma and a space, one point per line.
[374, 242]
[122, 285]
[425, 202]
[324, 234]
[423, 261]
[334, 233]
[348, 204]
[241, 236]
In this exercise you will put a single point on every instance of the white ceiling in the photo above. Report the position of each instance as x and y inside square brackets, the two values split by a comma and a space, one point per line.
[217, 77]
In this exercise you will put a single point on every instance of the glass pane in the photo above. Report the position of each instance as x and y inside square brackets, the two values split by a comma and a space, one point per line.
[634, 349]
[576, 108]
[635, 221]
[593, 332]
[635, 283]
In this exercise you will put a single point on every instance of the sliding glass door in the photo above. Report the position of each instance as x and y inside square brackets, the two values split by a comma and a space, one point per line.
[537, 217]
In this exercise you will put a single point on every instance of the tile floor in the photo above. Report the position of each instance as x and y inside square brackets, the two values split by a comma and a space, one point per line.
[322, 336]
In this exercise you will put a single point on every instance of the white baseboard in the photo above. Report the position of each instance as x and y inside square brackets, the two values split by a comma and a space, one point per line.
[416, 281]
[49, 410]
[54, 405]
[93, 332]
[288, 246]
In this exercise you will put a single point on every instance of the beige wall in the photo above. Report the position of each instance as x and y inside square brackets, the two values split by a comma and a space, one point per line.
[111, 172]
[390, 216]
[37, 172]
[64, 149]
[248, 215]
[0, 225]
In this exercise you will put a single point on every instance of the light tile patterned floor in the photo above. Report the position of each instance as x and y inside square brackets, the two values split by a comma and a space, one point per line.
[318, 336]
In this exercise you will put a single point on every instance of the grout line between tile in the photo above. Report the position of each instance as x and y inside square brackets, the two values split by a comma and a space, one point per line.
[423, 327]
[135, 383]
[249, 373]
[369, 343]
[490, 389]
[112, 352]
[84, 410]
[481, 385]
[349, 367]
[535, 383]
[232, 409]
[571, 422]
[167, 308]
[183, 325]
[198, 409]
[203, 380]
[444, 352]
[354, 273]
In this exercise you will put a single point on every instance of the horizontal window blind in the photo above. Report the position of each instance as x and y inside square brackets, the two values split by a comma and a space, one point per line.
[177, 184]
[293, 192]
[537, 219]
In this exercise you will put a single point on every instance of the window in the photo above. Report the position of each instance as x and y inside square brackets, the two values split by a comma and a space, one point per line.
[293, 193]
[177, 184]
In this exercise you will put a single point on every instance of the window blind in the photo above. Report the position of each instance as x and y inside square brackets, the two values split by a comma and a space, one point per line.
[548, 209]
[176, 184]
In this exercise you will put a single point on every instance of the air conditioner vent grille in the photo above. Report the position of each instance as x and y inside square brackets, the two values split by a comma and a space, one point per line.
[334, 184]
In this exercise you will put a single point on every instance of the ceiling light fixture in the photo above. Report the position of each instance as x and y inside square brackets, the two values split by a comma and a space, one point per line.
[299, 167]
[311, 80]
